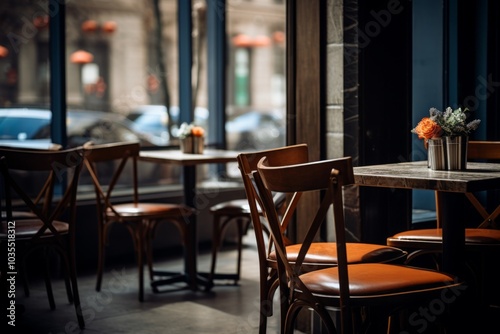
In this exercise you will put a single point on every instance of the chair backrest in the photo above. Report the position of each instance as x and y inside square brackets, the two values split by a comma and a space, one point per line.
[247, 163]
[485, 151]
[481, 151]
[115, 157]
[326, 177]
[60, 170]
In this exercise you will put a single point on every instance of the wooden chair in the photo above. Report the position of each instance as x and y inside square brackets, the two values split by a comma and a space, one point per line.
[226, 214]
[319, 255]
[25, 214]
[140, 218]
[482, 240]
[378, 288]
[44, 216]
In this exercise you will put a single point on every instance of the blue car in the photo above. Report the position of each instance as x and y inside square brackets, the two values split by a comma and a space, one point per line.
[33, 125]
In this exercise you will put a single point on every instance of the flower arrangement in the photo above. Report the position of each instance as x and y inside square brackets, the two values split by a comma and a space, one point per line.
[190, 130]
[448, 123]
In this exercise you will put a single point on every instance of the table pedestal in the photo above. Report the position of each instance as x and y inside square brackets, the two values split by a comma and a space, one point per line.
[453, 224]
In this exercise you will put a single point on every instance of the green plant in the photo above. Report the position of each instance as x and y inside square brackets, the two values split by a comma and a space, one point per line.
[454, 122]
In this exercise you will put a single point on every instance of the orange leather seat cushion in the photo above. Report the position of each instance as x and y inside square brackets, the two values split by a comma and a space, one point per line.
[324, 253]
[472, 236]
[372, 279]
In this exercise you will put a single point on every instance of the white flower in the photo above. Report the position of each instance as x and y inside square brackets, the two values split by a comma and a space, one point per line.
[185, 130]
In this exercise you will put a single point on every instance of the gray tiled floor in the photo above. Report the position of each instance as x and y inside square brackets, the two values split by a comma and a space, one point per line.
[116, 309]
[225, 309]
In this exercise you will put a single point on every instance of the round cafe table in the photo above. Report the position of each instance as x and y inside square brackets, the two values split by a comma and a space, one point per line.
[188, 162]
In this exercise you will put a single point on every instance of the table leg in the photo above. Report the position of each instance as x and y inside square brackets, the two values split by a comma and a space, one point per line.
[191, 251]
[452, 213]
[190, 275]
[190, 259]
[453, 208]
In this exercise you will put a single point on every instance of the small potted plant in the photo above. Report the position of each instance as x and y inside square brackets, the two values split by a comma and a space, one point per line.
[448, 132]
[192, 138]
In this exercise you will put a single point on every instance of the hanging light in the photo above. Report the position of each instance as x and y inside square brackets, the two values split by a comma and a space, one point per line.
[109, 27]
[242, 41]
[41, 21]
[4, 52]
[89, 26]
[81, 57]
[245, 41]
[261, 41]
[279, 37]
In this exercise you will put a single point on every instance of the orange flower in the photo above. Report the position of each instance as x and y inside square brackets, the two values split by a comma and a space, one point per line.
[197, 131]
[427, 129]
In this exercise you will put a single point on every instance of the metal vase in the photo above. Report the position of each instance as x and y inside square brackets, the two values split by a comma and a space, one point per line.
[198, 145]
[456, 152]
[192, 145]
[436, 151]
[186, 145]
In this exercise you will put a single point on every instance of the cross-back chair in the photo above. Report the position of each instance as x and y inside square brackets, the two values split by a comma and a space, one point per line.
[24, 214]
[140, 218]
[482, 240]
[319, 255]
[349, 286]
[226, 214]
[234, 212]
[39, 205]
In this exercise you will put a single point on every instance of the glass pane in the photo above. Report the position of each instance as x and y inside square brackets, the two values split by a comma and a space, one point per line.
[24, 73]
[121, 73]
[256, 75]
[112, 70]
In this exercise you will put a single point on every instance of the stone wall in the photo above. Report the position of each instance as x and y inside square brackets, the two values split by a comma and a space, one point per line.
[342, 103]
[335, 81]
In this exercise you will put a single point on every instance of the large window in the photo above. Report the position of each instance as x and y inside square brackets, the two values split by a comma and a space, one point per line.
[256, 80]
[122, 73]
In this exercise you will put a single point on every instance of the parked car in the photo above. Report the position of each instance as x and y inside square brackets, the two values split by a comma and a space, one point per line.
[152, 121]
[23, 124]
[255, 130]
[246, 131]
[30, 127]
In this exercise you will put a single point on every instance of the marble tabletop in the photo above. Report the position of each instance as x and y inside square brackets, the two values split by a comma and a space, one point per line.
[415, 175]
[449, 186]
[187, 159]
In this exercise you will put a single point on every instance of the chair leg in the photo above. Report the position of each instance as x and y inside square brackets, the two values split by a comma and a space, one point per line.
[48, 284]
[243, 225]
[138, 232]
[262, 323]
[219, 227]
[149, 232]
[268, 286]
[70, 265]
[76, 294]
[266, 302]
[67, 278]
[216, 239]
[100, 256]
[140, 257]
[69, 293]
